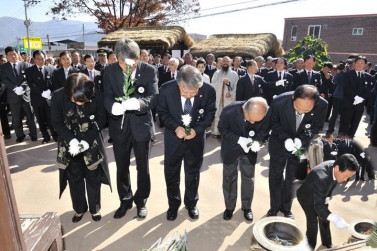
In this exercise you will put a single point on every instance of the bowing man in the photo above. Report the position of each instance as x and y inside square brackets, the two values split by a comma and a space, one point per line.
[186, 98]
[131, 125]
[242, 125]
[296, 118]
[315, 193]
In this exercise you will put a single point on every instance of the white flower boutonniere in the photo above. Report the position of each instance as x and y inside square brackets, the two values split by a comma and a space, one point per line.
[307, 126]
[251, 133]
[315, 80]
[366, 82]
[48, 77]
[201, 111]
[186, 119]
[141, 89]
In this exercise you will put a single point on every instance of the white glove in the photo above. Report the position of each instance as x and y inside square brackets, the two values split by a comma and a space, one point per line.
[273, 96]
[338, 221]
[19, 90]
[117, 109]
[74, 148]
[255, 146]
[85, 145]
[362, 155]
[289, 145]
[280, 82]
[334, 153]
[327, 200]
[297, 145]
[358, 100]
[131, 104]
[243, 142]
[46, 94]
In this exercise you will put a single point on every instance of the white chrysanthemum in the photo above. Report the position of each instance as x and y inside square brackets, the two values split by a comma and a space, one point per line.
[74, 149]
[186, 119]
[129, 61]
[255, 146]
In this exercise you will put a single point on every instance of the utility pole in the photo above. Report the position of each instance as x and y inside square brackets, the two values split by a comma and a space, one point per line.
[83, 34]
[48, 42]
[27, 24]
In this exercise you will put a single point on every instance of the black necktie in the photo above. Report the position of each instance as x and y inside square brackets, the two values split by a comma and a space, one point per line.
[172, 76]
[15, 70]
[40, 71]
[188, 107]
[359, 75]
[279, 75]
[309, 76]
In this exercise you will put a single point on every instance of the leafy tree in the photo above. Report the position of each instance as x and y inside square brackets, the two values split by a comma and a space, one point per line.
[114, 14]
[309, 46]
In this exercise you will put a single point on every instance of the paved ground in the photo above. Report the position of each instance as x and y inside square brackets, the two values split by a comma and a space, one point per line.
[35, 181]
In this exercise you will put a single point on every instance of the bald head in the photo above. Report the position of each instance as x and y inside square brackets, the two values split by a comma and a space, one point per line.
[255, 109]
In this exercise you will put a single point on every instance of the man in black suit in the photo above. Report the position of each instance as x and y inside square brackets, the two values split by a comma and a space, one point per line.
[131, 125]
[92, 73]
[330, 148]
[373, 129]
[296, 118]
[279, 80]
[369, 69]
[308, 76]
[4, 107]
[102, 59]
[242, 125]
[210, 68]
[315, 193]
[163, 68]
[39, 79]
[237, 67]
[327, 82]
[157, 60]
[62, 73]
[357, 88]
[262, 70]
[188, 96]
[250, 85]
[18, 94]
[172, 73]
[75, 55]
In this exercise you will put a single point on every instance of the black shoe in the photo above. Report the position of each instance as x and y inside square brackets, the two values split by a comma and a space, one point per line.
[55, 138]
[193, 212]
[371, 178]
[248, 214]
[110, 140]
[20, 139]
[328, 246]
[171, 215]
[142, 212]
[271, 213]
[7, 136]
[357, 179]
[96, 217]
[77, 218]
[121, 211]
[289, 215]
[46, 140]
[362, 179]
[228, 214]
[33, 138]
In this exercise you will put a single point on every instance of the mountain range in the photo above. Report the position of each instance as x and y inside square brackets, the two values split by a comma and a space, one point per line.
[12, 28]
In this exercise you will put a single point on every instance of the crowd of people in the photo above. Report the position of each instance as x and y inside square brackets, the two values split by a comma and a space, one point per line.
[244, 104]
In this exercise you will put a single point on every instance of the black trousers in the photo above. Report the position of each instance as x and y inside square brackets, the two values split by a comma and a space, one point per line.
[16, 110]
[350, 120]
[122, 153]
[280, 188]
[172, 168]
[4, 110]
[336, 110]
[78, 176]
[43, 115]
[373, 134]
[329, 106]
[312, 222]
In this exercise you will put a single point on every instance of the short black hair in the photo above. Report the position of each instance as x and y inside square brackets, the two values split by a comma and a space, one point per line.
[250, 63]
[328, 65]
[347, 162]
[79, 87]
[308, 57]
[166, 55]
[63, 53]
[9, 49]
[157, 55]
[38, 52]
[88, 56]
[109, 53]
[201, 61]
[361, 58]
[306, 92]
[285, 61]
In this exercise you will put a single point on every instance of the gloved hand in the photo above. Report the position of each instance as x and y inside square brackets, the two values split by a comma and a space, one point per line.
[19, 90]
[74, 148]
[338, 221]
[255, 146]
[85, 145]
[280, 82]
[117, 109]
[362, 155]
[327, 200]
[131, 104]
[358, 100]
[289, 145]
[297, 145]
[274, 96]
[334, 153]
[46, 94]
[242, 141]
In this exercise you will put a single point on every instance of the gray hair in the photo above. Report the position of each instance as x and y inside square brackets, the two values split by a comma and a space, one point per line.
[126, 48]
[256, 103]
[190, 76]
[175, 61]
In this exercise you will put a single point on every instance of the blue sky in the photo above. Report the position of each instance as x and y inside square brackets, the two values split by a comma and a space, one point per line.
[253, 16]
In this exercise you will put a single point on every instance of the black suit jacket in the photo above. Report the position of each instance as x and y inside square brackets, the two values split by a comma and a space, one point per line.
[210, 70]
[141, 121]
[100, 67]
[59, 77]
[97, 78]
[166, 77]
[232, 126]
[11, 81]
[318, 185]
[354, 86]
[38, 83]
[170, 112]
[240, 71]
[327, 149]
[161, 72]
[283, 123]
[246, 90]
[79, 66]
[327, 85]
[263, 72]
[301, 78]
[273, 77]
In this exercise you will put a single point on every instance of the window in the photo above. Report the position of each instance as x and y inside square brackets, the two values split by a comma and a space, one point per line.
[357, 31]
[314, 30]
[293, 33]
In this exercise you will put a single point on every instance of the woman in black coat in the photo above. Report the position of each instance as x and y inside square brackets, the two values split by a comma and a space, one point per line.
[78, 115]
